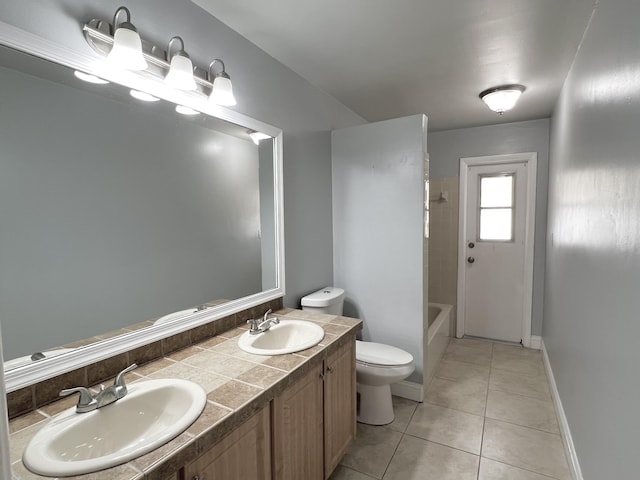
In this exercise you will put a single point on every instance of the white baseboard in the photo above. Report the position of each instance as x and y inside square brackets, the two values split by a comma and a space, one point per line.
[567, 440]
[535, 342]
[409, 390]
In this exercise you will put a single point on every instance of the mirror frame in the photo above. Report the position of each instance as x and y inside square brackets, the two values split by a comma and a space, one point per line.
[35, 45]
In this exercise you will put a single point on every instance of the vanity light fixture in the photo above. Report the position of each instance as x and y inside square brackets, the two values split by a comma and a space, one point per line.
[186, 110]
[180, 74]
[144, 96]
[222, 90]
[503, 98]
[122, 45]
[87, 77]
[257, 136]
[126, 51]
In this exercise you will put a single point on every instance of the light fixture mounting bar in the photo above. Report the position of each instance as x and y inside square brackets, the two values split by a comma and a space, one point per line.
[98, 35]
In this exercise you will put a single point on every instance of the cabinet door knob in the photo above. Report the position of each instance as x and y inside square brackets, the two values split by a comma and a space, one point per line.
[330, 369]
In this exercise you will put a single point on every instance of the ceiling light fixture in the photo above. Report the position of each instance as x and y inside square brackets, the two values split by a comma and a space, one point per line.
[180, 74]
[257, 136]
[127, 45]
[222, 90]
[503, 98]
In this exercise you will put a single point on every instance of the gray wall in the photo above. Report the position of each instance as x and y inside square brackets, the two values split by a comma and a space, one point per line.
[448, 146]
[265, 90]
[378, 218]
[591, 326]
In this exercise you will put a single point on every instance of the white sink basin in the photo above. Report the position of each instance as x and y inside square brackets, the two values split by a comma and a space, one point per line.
[286, 337]
[175, 315]
[152, 413]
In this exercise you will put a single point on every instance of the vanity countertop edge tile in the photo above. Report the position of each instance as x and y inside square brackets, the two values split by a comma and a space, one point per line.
[163, 462]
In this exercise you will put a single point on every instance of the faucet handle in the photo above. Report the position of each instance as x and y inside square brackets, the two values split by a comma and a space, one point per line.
[119, 381]
[253, 323]
[85, 400]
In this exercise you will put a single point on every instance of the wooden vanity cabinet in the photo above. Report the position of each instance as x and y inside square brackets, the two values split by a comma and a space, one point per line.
[302, 435]
[243, 454]
[339, 405]
[298, 431]
[314, 420]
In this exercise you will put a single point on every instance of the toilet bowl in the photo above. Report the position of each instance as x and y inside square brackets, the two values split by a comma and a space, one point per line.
[377, 365]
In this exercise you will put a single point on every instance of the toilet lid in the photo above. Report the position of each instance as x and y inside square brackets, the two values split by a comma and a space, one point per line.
[380, 354]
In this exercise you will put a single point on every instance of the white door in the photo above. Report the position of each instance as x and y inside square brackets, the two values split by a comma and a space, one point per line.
[496, 251]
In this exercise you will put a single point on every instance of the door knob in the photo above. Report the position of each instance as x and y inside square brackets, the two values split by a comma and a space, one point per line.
[470, 259]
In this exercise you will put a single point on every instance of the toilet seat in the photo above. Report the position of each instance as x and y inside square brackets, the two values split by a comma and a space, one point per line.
[381, 355]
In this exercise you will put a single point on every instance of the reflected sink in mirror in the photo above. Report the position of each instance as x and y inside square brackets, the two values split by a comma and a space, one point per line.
[175, 316]
[288, 336]
[36, 357]
[152, 413]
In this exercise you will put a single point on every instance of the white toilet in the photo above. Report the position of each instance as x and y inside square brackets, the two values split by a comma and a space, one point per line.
[377, 365]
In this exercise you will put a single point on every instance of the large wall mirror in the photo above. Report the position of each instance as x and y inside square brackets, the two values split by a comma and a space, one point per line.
[123, 221]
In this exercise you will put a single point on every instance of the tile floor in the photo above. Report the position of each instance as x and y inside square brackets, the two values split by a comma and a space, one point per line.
[487, 415]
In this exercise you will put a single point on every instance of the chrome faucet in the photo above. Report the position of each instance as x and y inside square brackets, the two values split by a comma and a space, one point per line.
[106, 396]
[261, 327]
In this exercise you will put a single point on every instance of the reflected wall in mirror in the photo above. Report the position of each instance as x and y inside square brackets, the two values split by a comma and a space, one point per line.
[117, 212]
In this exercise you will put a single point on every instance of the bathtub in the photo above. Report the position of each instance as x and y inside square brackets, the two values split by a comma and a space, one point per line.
[436, 337]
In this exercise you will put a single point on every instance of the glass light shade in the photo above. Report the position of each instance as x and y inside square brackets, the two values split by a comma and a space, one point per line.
[501, 99]
[222, 92]
[180, 74]
[127, 50]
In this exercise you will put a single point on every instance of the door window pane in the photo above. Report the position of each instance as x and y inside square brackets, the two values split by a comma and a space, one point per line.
[496, 207]
[496, 191]
[495, 224]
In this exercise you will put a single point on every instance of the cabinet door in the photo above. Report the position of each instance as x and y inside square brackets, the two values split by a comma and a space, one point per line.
[243, 454]
[298, 430]
[339, 405]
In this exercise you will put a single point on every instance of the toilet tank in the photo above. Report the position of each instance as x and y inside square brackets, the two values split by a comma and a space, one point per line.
[328, 300]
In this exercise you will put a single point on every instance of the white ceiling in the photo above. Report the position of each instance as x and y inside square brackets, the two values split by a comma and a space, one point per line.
[391, 58]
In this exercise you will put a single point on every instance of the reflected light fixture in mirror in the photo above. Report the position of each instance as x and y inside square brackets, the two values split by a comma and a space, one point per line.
[180, 74]
[181, 109]
[144, 96]
[87, 77]
[126, 51]
[503, 98]
[222, 90]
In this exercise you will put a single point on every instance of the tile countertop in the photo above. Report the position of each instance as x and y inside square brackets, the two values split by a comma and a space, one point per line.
[237, 383]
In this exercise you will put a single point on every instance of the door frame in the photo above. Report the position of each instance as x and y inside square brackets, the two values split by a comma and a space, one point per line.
[531, 160]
